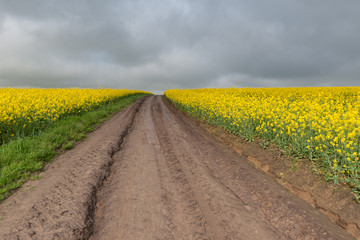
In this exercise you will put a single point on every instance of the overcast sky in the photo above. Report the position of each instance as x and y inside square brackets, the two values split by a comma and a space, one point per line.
[157, 45]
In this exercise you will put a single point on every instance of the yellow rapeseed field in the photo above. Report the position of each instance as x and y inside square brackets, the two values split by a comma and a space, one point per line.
[322, 124]
[23, 111]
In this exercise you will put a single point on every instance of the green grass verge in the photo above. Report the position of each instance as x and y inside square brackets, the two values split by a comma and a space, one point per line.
[23, 156]
[226, 123]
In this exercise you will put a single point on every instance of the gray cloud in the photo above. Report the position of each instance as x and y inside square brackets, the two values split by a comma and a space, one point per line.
[157, 45]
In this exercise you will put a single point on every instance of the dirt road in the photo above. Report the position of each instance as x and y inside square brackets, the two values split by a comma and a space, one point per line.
[151, 173]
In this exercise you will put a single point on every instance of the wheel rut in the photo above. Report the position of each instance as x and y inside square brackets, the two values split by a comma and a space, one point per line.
[60, 205]
[172, 180]
[151, 173]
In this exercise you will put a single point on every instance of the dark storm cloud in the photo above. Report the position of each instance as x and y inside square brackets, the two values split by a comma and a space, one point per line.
[156, 45]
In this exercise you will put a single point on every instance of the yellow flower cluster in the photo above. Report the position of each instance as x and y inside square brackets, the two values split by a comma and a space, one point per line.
[23, 110]
[320, 123]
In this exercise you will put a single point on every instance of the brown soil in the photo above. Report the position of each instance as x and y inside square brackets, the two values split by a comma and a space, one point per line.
[152, 173]
[300, 176]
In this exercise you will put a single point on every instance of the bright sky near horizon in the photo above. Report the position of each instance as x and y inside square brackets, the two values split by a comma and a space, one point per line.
[157, 45]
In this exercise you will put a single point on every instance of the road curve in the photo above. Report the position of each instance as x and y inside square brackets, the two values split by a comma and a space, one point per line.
[151, 173]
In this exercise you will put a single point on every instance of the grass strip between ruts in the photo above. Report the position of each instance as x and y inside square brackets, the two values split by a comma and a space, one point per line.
[23, 156]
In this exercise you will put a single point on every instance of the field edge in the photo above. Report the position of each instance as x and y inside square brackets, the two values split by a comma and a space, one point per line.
[26, 157]
[300, 176]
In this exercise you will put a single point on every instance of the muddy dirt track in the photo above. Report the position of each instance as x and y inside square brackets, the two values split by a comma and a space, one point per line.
[151, 173]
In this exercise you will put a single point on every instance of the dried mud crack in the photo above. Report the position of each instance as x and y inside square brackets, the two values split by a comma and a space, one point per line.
[154, 174]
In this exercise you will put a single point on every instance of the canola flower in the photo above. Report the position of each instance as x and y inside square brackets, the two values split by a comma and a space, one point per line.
[322, 124]
[25, 111]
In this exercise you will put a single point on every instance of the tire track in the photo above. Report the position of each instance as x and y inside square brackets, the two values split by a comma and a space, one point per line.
[172, 180]
[269, 202]
[148, 196]
[153, 174]
[60, 205]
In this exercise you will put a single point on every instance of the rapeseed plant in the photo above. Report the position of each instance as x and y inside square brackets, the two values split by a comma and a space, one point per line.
[25, 111]
[322, 124]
